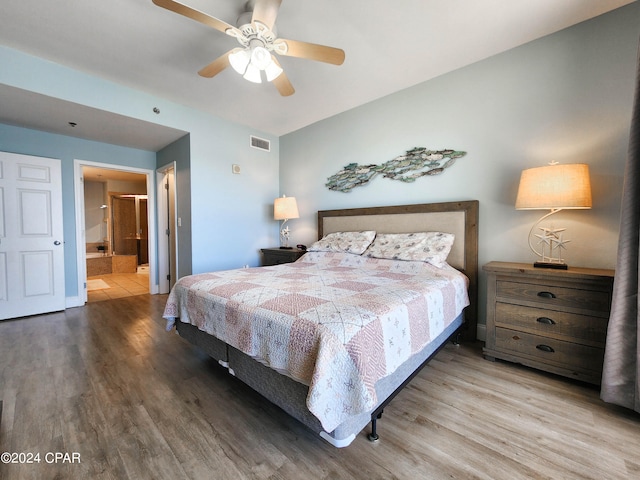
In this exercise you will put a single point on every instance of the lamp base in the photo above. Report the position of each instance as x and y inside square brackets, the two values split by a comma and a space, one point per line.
[557, 266]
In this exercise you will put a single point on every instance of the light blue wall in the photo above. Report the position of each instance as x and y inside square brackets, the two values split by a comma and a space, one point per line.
[566, 97]
[231, 215]
[68, 149]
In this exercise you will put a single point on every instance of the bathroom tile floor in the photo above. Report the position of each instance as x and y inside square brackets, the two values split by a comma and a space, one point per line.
[120, 285]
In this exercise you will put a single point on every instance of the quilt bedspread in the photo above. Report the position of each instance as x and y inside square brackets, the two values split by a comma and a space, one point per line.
[336, 322]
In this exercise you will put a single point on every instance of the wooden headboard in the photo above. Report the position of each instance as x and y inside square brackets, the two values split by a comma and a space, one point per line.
[459, 218]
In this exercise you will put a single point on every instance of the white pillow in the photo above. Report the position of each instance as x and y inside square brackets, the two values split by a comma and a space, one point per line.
[349, 242]
[431, 247]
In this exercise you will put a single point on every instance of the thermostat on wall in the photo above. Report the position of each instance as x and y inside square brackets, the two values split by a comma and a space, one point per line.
[235, 168]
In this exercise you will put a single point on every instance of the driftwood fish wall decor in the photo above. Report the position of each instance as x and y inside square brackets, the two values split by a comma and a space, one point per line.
[416, 163]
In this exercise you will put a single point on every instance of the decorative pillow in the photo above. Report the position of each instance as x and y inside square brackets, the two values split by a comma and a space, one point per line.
[431, 247]
[349, 242]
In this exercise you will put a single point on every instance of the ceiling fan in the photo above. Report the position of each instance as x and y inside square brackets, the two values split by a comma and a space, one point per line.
[258, 42]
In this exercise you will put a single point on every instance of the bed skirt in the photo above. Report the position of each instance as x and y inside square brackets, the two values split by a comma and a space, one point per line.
[291, 396]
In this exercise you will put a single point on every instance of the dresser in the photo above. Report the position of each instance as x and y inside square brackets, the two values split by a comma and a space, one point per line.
[277, 256]
[553, 320]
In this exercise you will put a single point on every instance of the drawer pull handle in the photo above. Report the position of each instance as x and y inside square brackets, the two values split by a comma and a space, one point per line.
[545, 321]
[546, 295]
[545, 348]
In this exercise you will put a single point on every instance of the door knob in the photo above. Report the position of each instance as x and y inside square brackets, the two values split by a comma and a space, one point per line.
[56, 242]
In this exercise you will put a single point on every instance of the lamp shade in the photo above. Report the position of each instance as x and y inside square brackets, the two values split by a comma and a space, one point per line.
[273, 71]
[555, 187]
[285, 208]
[239, 58]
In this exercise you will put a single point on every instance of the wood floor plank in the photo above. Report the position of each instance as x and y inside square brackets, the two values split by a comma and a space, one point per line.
[553, 437]
[136, 402]
[84, 425]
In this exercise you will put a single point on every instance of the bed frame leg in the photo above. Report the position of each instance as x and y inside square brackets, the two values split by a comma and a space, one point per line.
[373, 436]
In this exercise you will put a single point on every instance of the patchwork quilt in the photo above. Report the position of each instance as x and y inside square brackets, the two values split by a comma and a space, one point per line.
[336, 322]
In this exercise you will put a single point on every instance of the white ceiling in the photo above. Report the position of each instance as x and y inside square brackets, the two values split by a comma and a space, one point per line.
[390, 45]
[40, 112]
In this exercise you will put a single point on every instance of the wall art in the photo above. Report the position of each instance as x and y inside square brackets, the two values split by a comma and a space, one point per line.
[414, 164]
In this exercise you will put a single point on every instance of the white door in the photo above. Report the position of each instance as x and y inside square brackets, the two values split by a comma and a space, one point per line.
[167, 238]
[31, 241]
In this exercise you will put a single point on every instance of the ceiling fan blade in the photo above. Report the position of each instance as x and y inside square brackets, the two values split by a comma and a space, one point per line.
[196, 15]
[215, 67]
[282, 82]
[266, 12]
[311, 51]
[283, 85]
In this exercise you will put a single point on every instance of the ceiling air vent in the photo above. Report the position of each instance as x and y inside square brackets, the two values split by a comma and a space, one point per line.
[260, 143]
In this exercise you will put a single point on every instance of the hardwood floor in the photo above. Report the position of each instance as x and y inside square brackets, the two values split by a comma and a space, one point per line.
[107, 383]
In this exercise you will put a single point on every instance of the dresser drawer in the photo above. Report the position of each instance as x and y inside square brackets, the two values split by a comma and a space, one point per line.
[545, 294]
[548, 350]
[572, 327]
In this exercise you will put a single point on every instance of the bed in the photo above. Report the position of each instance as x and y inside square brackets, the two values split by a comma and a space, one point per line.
[333, 337]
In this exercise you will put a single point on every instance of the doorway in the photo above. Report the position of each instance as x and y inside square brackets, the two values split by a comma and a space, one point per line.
[168, 228]
[124, 256]
[129, 231]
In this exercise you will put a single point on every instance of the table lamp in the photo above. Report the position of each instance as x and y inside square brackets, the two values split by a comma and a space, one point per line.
[554, 187]
[285, 208]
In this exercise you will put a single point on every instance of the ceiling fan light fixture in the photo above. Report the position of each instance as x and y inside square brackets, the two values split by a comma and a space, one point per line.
[272, 71]
[252, 74]
[239, 59]
[260, 57]
[249, 62]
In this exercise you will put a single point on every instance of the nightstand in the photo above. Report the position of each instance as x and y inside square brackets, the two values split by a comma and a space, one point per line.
[277, 256]
[553, 320]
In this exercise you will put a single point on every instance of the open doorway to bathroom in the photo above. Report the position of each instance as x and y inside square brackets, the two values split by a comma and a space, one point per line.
[116, 233]
[168, 228]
